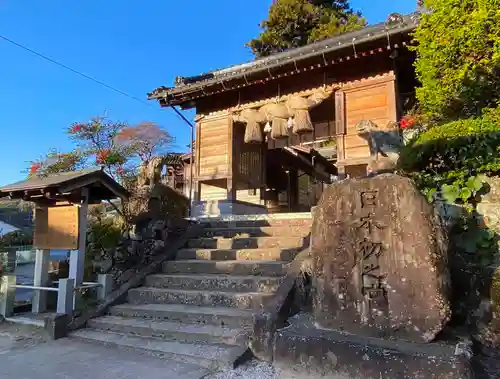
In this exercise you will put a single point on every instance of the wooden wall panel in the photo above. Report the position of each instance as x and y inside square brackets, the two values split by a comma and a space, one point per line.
[214, 190]
[249, 195]
[356, 171]
[370, 100]
[214, 148]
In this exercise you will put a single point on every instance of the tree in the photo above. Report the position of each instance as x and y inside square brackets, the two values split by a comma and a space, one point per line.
[458, 65]
[145, 140]
[117, 147]
[294, 23]
[54, 162]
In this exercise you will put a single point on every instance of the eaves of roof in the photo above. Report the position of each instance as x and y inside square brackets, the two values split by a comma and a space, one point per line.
[192, 85]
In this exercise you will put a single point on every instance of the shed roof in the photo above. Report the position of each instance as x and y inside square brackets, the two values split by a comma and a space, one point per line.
[187, 89]
[101, 186]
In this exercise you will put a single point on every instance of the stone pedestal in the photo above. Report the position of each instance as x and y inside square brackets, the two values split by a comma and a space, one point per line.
[380, 261]
[311, 352]
[381, 288]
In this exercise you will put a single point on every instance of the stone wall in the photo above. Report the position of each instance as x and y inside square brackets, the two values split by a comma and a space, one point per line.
[489, 207]
[157, 215]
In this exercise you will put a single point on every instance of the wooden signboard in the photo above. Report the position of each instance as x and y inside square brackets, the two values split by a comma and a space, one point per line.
[56, 227]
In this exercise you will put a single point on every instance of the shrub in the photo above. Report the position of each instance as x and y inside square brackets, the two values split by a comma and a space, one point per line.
[452, 153]
[447, 162]
[458, 50]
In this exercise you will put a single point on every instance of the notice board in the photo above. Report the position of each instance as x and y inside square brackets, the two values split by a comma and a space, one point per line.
[56, 227]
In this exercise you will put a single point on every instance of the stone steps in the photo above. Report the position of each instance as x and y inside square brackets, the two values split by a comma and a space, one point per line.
[259, 222]
[246, 243]
[274, 254]
[265, 231]
[211, 356]
[200, 307]
[228, 267]
[240, 300]
[230, 317]
[208, 282]
[181, 332]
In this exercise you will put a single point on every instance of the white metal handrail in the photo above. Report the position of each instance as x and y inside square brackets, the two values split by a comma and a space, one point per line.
[84, 285]
[53, 289]
[65, 289]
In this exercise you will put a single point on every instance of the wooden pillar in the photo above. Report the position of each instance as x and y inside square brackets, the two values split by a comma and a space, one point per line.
[294, 189]
[231, 189]
[312, 191]
[232, 163]
[340, 129]
[77, 257]
[263, 170]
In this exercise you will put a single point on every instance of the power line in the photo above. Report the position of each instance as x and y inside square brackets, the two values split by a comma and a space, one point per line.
[179, 114]
[72, 70]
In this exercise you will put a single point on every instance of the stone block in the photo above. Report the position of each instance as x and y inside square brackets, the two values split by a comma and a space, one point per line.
[380, 260]
[56, 326]
[493, 195]
[486, 316]
[313, 352]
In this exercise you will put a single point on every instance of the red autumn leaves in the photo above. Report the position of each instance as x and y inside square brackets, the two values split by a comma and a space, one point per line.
[34, 168]
[76, 128]
[102, 156]
[119, 148]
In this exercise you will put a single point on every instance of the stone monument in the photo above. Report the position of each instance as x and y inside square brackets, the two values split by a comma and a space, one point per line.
[380, 288]
[380, 260]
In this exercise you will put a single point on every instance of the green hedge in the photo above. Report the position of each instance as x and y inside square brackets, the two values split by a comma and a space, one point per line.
[469, 146]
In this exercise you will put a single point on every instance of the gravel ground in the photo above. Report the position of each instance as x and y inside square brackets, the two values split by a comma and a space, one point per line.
[15, 336]
[264, 370]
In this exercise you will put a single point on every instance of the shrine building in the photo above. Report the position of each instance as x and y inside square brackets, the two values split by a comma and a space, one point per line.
[272, 132]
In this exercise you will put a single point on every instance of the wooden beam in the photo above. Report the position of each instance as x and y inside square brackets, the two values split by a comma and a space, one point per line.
[231, 188]
[340, 123]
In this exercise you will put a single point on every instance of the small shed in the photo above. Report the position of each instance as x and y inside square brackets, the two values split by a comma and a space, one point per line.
[61, 224]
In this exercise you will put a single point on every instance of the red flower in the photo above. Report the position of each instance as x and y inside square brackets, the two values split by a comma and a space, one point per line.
[34, 168]
[407, 122]
[120, 171]
[76, 128]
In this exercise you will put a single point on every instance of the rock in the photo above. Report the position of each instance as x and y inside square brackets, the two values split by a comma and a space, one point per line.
[159, 244]
[380, 260]
[488, 208]
[126, 276]
[486, 317]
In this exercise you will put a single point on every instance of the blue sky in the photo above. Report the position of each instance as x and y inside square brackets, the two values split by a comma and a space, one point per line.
[135, 46]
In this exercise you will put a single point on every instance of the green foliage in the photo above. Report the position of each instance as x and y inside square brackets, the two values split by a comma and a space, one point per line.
[458, 49]
[449, 156]
[103, 236]
[295, 23]
[55, 162]
[462, 192]
[450, 161]
[16, 238]
[474, 242]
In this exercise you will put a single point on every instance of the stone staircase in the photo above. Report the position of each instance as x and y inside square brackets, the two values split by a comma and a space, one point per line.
[200, 308]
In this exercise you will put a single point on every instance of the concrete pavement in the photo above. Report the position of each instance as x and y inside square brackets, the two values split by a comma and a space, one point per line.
[67, 359]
